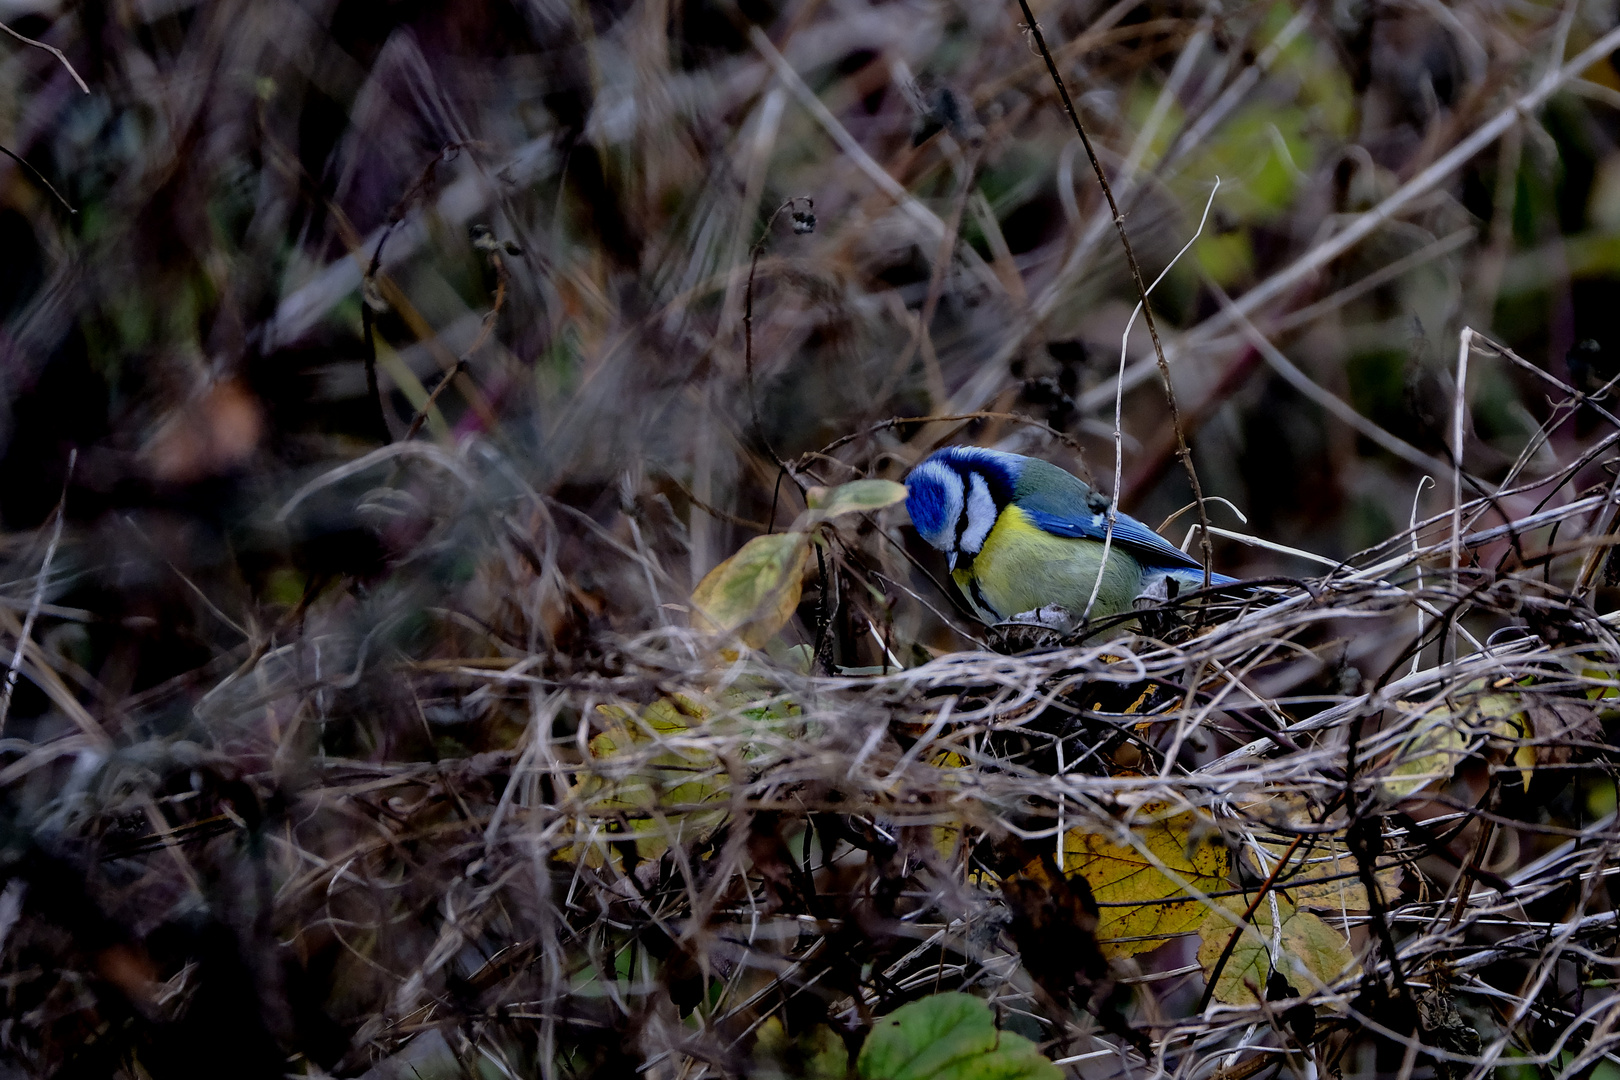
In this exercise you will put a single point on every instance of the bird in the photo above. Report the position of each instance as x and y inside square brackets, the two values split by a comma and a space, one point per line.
[1024, 539]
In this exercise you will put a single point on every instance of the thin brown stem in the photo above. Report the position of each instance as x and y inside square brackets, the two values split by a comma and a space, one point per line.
[1214, 975]
[460, 367]
[1136, 277]
[38, 179]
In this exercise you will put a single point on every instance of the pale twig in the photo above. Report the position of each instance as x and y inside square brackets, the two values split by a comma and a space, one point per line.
[1465, 343]
[1417, 657]
[1364, 225]
[53, 50]
[1119, 422]
[1272, 545]
[1243, 518]
[39, 594]
[1592, 91]
[1329, 402]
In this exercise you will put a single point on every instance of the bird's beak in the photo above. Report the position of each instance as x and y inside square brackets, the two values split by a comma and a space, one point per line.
[950, 560]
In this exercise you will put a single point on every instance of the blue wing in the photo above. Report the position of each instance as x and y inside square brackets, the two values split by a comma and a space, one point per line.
[1150, 549]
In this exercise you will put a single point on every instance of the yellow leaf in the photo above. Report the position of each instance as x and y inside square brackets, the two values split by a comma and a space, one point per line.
[1308, 945]
[945, 839]
[639, 792]
[754, 593]
[817, 1054]
[1447, 733]
[1137, 900]
[1322, 875]
[642, 787]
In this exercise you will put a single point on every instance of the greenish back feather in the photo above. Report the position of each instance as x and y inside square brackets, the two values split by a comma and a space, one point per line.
[1044, 487]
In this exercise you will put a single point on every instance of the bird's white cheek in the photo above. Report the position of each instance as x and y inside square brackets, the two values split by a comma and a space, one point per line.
[981, 514]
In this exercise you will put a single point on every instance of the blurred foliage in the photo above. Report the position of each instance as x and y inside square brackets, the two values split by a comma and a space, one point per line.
[428, 370]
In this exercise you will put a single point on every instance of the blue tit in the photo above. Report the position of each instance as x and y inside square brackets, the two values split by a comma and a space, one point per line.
[1021, 534]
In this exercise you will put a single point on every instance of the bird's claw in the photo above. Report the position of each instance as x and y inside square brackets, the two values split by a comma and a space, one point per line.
[1156, 590]
[1042, 628]
[1051, 617]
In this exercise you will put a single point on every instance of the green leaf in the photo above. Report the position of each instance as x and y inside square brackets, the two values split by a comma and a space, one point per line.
[857, 496]
[1308, 943]
[949, 1037]
[817, 1054]
[755, 592]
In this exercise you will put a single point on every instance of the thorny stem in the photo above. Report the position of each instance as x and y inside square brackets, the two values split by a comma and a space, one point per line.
[748, 315]
[1136, 277]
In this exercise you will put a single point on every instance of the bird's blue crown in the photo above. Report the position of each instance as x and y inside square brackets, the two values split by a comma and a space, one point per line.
[937, 488]
[1000, 469]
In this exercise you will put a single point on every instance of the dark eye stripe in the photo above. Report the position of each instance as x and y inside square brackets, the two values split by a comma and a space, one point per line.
[962, 517]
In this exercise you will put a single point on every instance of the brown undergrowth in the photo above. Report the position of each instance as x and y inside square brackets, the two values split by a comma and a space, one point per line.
[457, 620]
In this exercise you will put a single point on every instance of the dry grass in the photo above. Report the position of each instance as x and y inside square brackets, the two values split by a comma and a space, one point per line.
[360, 726]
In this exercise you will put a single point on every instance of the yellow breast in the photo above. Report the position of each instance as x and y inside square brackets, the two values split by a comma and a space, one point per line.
[1023, 567]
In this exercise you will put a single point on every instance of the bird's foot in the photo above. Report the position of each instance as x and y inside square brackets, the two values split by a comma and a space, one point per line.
[1155, 620]
[1157, 589]
[1052, 617]
[1042, 628]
